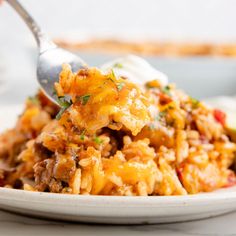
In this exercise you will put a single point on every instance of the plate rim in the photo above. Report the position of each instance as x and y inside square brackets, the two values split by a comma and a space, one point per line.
[130, 201]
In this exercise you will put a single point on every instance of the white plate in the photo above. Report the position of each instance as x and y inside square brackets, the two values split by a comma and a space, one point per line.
[113, 210]
[118, 210]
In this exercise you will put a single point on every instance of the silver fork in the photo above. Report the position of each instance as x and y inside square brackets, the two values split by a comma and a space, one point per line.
[50, 58]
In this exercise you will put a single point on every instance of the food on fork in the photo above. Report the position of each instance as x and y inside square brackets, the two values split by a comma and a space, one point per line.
[113, 137]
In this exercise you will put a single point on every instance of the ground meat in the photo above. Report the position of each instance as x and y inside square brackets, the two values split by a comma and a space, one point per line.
[65, 167]
[11, 144]
[2, 178]
[41, 152]
[44, 178]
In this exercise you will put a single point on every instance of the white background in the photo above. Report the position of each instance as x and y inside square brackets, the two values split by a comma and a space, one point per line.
[182, 20]
[211, 20]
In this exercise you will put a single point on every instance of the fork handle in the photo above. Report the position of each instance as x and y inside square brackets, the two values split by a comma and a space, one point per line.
[43, 41]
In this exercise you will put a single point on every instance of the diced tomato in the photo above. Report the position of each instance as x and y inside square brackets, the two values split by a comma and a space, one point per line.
[220, 116]
[164, 99]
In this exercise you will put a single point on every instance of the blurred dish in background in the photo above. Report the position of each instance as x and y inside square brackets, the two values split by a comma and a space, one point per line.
[149, 48]
[194, 67]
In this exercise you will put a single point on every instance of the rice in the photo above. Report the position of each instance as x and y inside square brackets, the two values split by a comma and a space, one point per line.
[114, 138]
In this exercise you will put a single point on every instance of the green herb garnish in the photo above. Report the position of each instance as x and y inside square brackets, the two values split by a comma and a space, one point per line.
[120, 86]
[97, 140]
[118, 65]
[34, 100]
[83, 99]
[161, 115]
[195, 102]
[113, 74]
[152, 126]
[82, 136]
[64, 103]
[166, 90]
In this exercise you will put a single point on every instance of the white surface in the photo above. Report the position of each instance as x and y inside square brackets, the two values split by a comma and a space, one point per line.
[15, 225]
[180, 20]
[8, 116]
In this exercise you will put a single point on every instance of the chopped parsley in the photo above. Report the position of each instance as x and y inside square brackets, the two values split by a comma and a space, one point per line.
[97, 140]
[83, 99]
[166, 90]
[113, 74]
[64, 103]
[195, 102]
[120, 86]
[152, 126]
[161, 115]
[82, 136]
[34, 100]
[118, 65]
